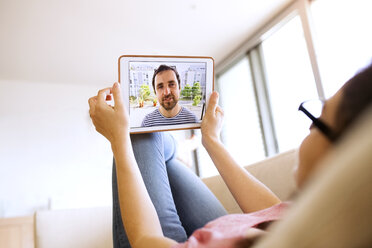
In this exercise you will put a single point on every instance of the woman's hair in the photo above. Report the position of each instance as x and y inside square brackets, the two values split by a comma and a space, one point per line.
[356, 96]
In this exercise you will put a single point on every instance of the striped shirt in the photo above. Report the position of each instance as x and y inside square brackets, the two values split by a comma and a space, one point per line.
[155, 118]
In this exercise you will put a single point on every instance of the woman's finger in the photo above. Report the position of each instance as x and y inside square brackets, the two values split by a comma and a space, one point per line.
[213, 103]
[92, 104]
[101, 96]
[118, 98]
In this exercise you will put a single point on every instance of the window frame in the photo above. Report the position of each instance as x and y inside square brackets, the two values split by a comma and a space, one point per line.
[252, 49]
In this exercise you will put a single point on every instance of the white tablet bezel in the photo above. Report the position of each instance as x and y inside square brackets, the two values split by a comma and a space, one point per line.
[123, 63]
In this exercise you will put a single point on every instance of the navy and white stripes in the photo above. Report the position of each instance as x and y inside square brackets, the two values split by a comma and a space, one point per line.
[155, 118]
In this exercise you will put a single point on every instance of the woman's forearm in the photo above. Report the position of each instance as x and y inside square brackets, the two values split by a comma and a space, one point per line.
[140, 219]
[249, 192]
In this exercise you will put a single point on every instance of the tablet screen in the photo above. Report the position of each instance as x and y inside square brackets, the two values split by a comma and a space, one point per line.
[165, 93]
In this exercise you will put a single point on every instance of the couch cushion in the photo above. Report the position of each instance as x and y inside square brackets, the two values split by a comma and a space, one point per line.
[275, 172]
[83, 228]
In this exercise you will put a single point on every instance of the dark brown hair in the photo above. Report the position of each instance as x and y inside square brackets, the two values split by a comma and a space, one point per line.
[356, 96]
[162, 68]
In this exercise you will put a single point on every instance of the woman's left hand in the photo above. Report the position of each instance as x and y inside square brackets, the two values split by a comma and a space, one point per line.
[111, 121]
[212, 121]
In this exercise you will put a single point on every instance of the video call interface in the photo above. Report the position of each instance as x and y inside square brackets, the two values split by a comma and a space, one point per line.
[143, 99]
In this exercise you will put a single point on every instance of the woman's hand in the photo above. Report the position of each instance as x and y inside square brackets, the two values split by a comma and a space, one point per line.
[212, 121]
[111, 121]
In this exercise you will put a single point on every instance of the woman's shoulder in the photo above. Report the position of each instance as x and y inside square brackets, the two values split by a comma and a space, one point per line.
[227, 230]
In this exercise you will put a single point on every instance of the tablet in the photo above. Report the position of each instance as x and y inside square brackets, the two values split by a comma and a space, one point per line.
[163, 93]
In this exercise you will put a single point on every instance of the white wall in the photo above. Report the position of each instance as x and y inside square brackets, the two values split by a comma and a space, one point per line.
[50, 153]
[80, 40]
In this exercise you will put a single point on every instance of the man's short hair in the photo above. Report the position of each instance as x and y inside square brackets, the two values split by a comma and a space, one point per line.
[162, 68]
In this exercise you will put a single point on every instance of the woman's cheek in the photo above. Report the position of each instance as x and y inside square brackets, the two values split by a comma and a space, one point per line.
[303, 160]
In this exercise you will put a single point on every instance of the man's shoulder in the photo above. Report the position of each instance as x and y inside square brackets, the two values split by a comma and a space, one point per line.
[147, 121]
[156, 112]
[187, 112]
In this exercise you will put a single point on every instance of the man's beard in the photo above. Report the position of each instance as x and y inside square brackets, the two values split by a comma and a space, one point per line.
[168, 105]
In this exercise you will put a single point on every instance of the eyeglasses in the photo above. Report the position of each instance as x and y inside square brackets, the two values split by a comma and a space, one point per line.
[313, 110]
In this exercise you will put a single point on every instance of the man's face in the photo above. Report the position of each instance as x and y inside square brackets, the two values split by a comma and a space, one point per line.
[167, 89]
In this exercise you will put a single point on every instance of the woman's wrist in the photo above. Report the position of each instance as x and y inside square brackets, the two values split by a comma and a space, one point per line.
[120, 141]
[210, 141]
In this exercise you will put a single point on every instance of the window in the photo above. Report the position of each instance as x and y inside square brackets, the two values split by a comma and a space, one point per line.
[263, 82]
[289, 82]
[343, 39]
[242, 132]
[206, 167]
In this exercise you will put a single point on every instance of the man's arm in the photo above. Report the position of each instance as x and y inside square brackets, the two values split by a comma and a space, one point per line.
[249, 192]
[139, 215]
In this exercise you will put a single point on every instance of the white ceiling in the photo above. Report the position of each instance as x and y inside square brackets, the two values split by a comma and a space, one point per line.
[79, 41]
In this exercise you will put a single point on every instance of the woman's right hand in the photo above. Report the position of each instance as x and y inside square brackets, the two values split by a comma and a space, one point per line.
[111, 121]
[212, 121]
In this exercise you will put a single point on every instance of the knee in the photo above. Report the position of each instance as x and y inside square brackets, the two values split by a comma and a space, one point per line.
[170, 147]
[145, 138]
[147, 143]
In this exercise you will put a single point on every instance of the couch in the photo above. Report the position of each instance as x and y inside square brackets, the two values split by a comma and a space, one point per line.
[334, 210]
[91, 227]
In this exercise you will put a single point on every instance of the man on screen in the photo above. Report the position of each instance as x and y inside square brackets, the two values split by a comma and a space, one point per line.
[166, 85]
